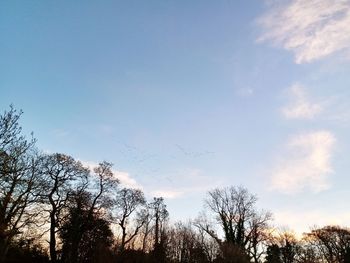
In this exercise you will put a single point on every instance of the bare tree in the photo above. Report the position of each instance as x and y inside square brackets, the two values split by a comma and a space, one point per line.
[257, 235]
[160, 217]
[63, 176]
[19, 174]
[86, 207]
[146, 228]
[242, 224]
[210, 245]
[332, 243]
[290, 247]
[308, 252]
[127, 203]
[105, 184]
[186, 244]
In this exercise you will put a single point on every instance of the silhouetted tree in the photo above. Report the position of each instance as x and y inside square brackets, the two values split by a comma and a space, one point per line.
[308, 254]
[88, 208]
[273, 254]
[210, 246]
[160, 216]
[85, 236]
[243, 226]
[63, 175]
[128, 202]
[19, 174]
[146, 228]
[231, 253]
[26, 250]
[185, 245]
[332, 243]
[288, 246]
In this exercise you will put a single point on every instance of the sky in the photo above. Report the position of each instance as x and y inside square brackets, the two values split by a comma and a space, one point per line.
[186, 96]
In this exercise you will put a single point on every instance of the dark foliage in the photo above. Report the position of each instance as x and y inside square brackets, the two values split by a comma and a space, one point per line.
[25, 251]
[86, 236]
[273, 254]
[231, 253]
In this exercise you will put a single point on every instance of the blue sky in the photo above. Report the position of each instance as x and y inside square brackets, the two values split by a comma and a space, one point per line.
[184, 96]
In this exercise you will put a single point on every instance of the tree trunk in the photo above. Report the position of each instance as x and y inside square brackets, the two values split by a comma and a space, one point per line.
[145, 239]
[3, 248]
[123, 237]
[156, 236]
[53, 252]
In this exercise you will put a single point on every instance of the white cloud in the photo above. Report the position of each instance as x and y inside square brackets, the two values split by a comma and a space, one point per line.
[170, 194]
[306, 163]
[300, 107]
[312, 29]
[124, 177]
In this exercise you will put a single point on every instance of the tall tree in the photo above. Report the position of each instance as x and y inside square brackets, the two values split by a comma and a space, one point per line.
[87, 209]
[128, 202]
[147, 228]
[243, 225]
[63, 175]
[84, 235]
[19, 177]
[160, 216]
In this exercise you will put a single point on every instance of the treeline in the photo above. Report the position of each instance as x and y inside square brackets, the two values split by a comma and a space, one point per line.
[55, 209]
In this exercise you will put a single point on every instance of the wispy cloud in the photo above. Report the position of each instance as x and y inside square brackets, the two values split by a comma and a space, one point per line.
[124, 177]
[300, 106]
[170, 194]
[127, 180]
[306, 163]
[312, 29]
